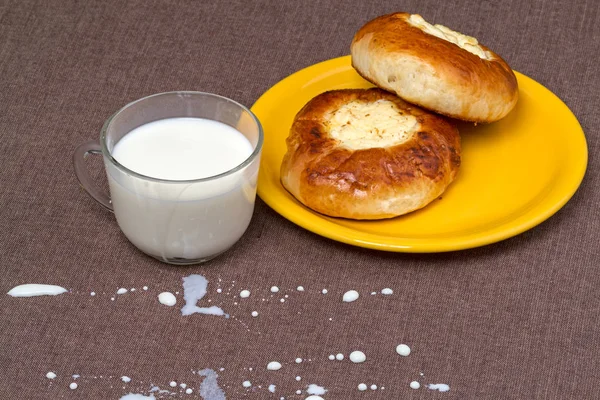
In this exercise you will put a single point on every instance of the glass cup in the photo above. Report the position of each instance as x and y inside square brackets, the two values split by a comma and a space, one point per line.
[176, 221]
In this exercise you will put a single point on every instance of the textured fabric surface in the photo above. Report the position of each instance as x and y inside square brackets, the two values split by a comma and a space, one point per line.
[517, 319]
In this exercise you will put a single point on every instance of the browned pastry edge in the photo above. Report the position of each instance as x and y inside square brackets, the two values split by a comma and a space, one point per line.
[372, 183]
[431, 72]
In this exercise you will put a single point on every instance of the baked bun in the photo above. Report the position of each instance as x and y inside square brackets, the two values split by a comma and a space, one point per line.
[434, 67]
[367, 154]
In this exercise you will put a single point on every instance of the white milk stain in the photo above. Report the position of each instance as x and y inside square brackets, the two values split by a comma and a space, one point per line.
[246, 384]
[126, 379]
[274, 289]
[194, 289]
[387, 291]
[357, 356]
[362, 387]
[442, 387]
[50, 375]
[274, 366]
[122, 291]
[415, 385]
[314, 397]
[350, 296]
[339, 356]
[167, 299]
[34, 289]
[209, 388]
[298, 360]
[73, 386]
[403, 350]
[315, 389]
[244, 294]
[134, 396]
[272, 388]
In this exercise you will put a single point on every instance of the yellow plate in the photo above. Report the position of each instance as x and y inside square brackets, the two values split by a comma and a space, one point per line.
[515, 173]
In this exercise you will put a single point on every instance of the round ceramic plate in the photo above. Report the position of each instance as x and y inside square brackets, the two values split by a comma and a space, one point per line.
[515, 173]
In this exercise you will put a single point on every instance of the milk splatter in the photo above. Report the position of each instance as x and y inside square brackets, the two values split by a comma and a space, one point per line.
[357, 356]
[50, 375]
[122, 291]
[274, 366]
[73, 386]
[350, 296]
[126, 379]
[244, 294]
[387, 291]
[246, 384]
[209, 388]
[415, 385]
[442, 387]
[403, 350]
[362, 387]
[194, 289]
[134, 396]
[167, 299]
[34, 289]
[315, 389]
[272, 388]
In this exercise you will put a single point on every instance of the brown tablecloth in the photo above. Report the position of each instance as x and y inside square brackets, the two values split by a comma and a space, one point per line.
[516, 319]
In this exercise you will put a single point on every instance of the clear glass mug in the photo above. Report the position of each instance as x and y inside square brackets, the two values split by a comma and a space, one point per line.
[178, 222]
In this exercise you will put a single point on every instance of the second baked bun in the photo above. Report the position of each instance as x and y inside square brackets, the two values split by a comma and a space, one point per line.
[434, 67]
[367, 154]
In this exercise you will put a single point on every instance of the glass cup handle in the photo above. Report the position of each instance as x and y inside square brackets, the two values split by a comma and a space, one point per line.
[81, 152]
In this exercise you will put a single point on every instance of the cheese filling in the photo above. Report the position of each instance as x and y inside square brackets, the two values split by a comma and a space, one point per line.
[359, 125]
[465, 42]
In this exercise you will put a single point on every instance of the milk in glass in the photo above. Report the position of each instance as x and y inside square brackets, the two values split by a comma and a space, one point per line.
[183, 213]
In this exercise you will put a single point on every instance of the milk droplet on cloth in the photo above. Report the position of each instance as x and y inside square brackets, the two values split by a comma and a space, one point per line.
[246, 384]
[122, 291]
[274, 289]
[298, 378]
[272, 388]
[126, 379]
[75, 376]
[50, 375]
[373, 387]
[244, 294]
[209, 388]
[415, 385]
[403, 350]
[339, 356]
[350, 296]
[298, 360]
[73, 386]
[145, 288]
[357, 356]
[300, 288]
[92, 293]
[315, 389]
[173, 384]
[362, 387]
[167, 299]
[255, 313]
[387, 291]
[182, 385]
[135, 396]
[313, 397]
[194, 289]
[274, 366]
[442, 387]
[331, 357]
[324, 291]
[34, 289]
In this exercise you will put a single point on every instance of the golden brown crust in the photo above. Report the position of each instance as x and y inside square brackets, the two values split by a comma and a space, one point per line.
[431, 72]
[372, 183]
